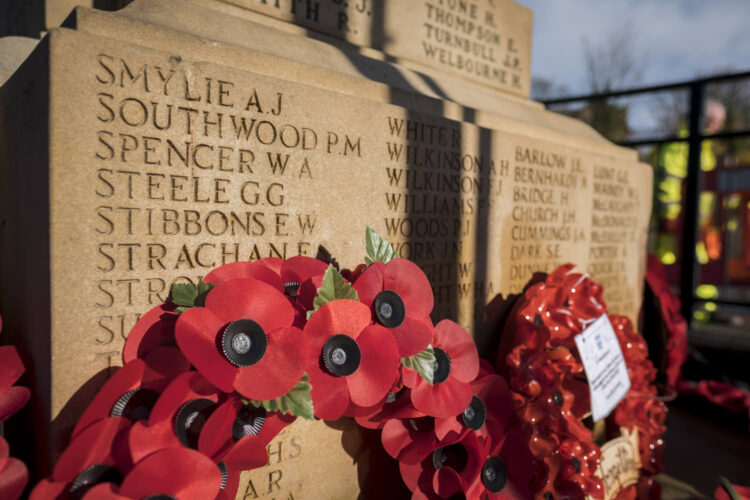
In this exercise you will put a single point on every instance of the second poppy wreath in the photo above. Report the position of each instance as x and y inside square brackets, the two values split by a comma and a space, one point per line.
[211, 376]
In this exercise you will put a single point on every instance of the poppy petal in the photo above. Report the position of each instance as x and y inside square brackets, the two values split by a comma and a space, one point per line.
[196, 333]
[251, 299]
[461, 348]
[405, 444]
[378, 367]
[395, 437]
[343, 316]
[12, 399]
[448, 428]
[443, 400]
[447, 482]
[494, 392]
[410, 474]
[301, 268]
[273, 263]
[519, 460]
[152, 330]
[243, 270]
[216, 435]
[4, 452]
[370, 284]
[11, 366]
[248, 453]
[104, 491]
[278, 371]
[163, 365]
[13, 479]
[330, 394]
[181, 472]
[46, 489]
[143, 440]
[406, 279]
[413, 335]
[410, 377]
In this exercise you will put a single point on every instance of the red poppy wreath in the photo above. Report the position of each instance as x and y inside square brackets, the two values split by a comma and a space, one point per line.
[211, 376]
[539, 356]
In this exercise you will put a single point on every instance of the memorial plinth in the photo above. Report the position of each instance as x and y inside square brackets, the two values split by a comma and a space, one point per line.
[151, 145]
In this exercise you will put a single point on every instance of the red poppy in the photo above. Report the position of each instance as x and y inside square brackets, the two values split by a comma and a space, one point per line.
[672, 326]
[399, 297]
[297, 270]
[488, 414]
[579, 463]
[94, 456]
[237, 433]
[460, 462]
[153, 330]
[302, 276]
[132, 391]
[506, 471]
[456, 365]
[243, 335]
[349, 360]
[173, 473]
[177, 417]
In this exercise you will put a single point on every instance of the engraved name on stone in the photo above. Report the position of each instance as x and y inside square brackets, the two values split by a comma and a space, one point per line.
[487, 41]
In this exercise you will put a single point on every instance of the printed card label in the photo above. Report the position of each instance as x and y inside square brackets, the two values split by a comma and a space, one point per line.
[604, 365]
[620, 464]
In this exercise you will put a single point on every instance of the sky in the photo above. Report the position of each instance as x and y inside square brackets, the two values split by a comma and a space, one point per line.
[673, 40]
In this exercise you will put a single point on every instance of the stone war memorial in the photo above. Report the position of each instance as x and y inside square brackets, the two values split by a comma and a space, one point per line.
[147, 146]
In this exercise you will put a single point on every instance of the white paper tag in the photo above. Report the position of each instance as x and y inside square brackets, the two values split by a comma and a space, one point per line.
[620, 463]
[604, 366]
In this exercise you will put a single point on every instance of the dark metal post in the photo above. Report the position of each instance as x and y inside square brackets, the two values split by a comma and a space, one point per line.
[692, 194]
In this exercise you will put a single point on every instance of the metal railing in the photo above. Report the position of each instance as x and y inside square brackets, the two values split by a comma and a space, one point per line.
[697, 93]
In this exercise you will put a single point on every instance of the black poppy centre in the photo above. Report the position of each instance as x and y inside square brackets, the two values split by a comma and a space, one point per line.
[392, 397]
[494, 474]
[341, 355]
[453, 456]
[422, 424]
[475, 414]
[91, 476]
[190, 419]
[161, 496]
[291, 288]
[557, 398]
[442, 366]
[243, 342]
[224, 474]
[135, 404]
[249, 422]
[389, 309]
